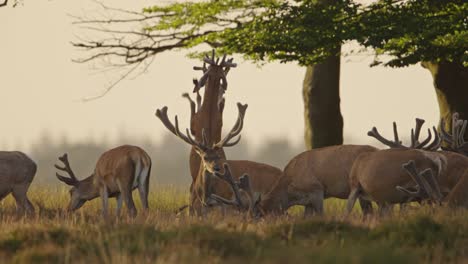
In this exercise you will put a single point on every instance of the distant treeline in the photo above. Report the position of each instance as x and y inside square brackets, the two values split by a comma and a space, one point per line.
[170, 157]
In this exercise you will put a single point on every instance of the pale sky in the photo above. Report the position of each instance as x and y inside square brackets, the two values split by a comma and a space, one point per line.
[41, 88]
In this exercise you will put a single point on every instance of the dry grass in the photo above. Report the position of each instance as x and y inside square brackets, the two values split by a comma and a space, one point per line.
[428, 235]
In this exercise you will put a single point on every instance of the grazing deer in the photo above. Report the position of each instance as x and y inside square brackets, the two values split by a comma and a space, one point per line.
[313, 176]
[208, 115]
[375, 176]
[17, 172]
[206, 183]
[117, 173]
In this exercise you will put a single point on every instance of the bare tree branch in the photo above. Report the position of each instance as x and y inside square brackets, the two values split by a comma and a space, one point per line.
[122, 38]
[112, 85]
[4, 3]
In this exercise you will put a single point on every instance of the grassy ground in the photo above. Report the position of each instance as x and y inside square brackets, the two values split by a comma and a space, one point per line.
[427, 235]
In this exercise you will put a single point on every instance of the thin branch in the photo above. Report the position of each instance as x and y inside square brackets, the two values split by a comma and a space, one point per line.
[4, 3]
[109, 88]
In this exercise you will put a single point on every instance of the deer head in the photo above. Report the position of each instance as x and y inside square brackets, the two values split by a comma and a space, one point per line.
[80, 191]
[238, 187]
[455, 141]
[209, 154]
[415, 143]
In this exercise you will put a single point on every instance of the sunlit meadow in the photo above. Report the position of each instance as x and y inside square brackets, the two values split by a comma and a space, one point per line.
[421, 234]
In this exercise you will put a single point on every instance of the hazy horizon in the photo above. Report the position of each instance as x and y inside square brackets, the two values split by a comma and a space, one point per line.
[42, 89]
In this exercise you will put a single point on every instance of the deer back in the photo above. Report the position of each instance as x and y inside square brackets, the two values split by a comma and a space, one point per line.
[326, 168]
[15, 168]
[379, 173]
[123, 162]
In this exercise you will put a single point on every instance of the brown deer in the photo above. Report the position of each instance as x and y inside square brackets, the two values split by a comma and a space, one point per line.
[208, 115]
[262, 176]
[376, 176]
[17, 172]
[117, 173]
[313, 176]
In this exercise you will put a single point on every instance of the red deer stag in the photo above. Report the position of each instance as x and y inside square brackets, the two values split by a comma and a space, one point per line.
[117, 173]
[208, 115]
[17, 172]
[313, 176]
[376, 176]
[262, 176]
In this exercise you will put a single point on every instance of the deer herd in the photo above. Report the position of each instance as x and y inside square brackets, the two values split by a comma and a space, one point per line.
[433, 170]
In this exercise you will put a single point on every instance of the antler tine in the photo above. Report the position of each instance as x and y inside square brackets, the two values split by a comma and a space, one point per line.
[426, 183]
[444, 134]
[192, 104]
[227, 177]
[456, 139]
[421, 145]
[417, 131]
[200, 83]
[162, 115]
[410, 168]
[375, 134]
[395, 133]
[430, 179]
[71, 180]
[236, 129]
[208, 60]
[224, 59]
[461, 138]
[435, 144]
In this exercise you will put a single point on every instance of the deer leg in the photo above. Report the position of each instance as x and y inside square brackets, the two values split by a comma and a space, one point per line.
[314, 204]
[385, 209]
[353, 196]
[119, 204]
[143, 189]
[126, 192]
[366, 207]
[23, 205]
[105, 200]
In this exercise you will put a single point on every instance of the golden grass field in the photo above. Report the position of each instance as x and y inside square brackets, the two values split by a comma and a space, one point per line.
[420, 235]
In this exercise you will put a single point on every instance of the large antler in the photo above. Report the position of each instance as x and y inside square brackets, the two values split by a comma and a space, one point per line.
[227, 177]
[236, 129]
[162, 115]
[426, 184]
[455, 140]
[225, 65]
[415, 143]
[243, 184]
[71, 180]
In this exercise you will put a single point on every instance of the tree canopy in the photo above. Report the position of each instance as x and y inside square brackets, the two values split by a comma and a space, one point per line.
[302, 31]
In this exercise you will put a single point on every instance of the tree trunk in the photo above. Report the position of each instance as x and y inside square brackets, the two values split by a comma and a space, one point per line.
[451, 85]
[322, 114]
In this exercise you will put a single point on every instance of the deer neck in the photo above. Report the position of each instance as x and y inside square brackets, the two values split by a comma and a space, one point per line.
[211, 111]
[90, 189]
[276, 200]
